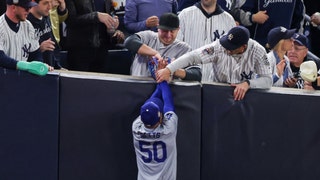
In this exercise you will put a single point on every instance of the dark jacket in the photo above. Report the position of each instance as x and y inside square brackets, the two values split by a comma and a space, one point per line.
[83, 26]
[43, 31]
[289, 14]
[3, 7]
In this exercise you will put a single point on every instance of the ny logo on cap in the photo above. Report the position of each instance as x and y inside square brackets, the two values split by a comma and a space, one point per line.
[230, 37]
[283, 29]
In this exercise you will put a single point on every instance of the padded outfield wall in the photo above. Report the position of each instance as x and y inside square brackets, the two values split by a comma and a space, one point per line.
[72, 125]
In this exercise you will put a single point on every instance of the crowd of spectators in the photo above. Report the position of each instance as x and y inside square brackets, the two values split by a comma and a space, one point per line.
[95, 27]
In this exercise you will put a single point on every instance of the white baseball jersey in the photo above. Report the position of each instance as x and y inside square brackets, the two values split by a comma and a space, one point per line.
[17, 45]
[156, 150]
[139, 65]
[279, 80]
[251, 65]
[198, 29]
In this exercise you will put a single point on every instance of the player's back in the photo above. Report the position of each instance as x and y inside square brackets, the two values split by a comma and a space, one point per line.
[156, 151]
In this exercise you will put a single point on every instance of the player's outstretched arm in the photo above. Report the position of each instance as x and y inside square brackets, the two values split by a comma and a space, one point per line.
[157, 93]
[168, 104]
[7, 62]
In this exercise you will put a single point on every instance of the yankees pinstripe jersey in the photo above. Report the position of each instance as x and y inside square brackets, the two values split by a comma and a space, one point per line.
[139, 65]
[252, 64]
[197, 28]
[155, 149]
[17, 45]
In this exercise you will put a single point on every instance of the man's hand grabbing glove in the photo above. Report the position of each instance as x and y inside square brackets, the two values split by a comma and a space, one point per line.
[154, 65]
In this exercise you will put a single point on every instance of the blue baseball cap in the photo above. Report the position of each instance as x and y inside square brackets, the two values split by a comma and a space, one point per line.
[236, 37]
[150, 111]
[23, 3]
[301, 39]
[278, 33]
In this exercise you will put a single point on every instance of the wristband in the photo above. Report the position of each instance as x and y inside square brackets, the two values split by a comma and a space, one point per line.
[247, 81]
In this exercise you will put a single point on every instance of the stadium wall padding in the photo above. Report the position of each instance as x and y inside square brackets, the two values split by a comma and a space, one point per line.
[95, 132]
[271, 134]
[29, 123]
[73, 125]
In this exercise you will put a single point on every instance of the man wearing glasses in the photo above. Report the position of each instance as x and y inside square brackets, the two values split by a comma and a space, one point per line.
[297, 55]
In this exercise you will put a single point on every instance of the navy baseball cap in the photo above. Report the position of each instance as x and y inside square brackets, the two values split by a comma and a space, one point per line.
[278, 33]
[301, 39]
[168, 21]
[23, 3]
[150, 111]
[236, 37]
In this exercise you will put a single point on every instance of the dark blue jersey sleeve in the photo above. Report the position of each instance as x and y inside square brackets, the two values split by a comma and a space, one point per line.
[35, 56]
[7, 62]
[156, 93]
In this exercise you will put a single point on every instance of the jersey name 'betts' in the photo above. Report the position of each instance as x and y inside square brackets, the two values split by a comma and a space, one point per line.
[144, 138]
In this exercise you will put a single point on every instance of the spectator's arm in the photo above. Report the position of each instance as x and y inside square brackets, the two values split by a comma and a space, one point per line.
[131, 22]
[7, 62]
[134, 44]
[192, 73]
[35, 55]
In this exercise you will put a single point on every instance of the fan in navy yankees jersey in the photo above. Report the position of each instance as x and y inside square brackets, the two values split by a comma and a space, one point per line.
[161, 44]
[17, 41]
[202, 24]
[39, 18]
[154, 136]
[243, 17]
[297, 55]
[235, 59]
[260, 16]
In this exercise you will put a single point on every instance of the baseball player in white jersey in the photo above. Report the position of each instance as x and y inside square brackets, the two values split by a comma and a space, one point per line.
[154, 136]
[235, 59]
[17, 40]
[202, 24]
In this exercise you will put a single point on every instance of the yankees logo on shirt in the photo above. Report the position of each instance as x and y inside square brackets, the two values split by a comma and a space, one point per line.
[25, 41]
[198, 28]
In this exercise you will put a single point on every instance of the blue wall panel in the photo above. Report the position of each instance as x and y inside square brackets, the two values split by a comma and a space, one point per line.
[95, 132]
[29, 122]
[266, 136]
